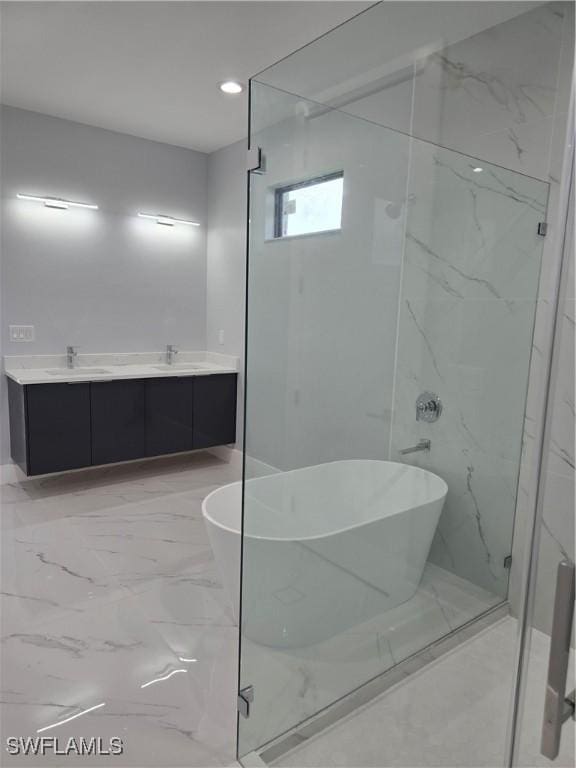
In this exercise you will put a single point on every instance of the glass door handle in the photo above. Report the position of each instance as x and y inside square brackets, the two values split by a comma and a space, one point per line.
[557, 707]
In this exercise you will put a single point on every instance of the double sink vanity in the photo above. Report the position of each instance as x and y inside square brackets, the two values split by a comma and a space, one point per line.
[68, 412]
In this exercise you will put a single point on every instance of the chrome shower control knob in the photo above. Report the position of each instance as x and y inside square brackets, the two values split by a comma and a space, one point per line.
[428, 407]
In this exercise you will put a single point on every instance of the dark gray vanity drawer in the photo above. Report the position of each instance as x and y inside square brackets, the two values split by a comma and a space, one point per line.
[118, 425]
[58, 427]
[169, 404]
[215, 409]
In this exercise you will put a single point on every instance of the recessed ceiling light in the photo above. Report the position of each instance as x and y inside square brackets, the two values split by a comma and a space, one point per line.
[477, 169]
[231, 87]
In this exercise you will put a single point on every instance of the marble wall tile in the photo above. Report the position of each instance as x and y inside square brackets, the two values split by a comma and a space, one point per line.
[471, 230]
[474, 535]
[471, 269]
[458, 349]
[488, 96]
[561, 459]
[475, 355]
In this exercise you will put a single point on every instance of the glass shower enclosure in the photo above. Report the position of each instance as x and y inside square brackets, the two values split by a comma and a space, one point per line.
[391, 297]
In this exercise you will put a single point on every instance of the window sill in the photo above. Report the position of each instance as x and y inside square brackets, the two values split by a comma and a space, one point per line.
[303, 235]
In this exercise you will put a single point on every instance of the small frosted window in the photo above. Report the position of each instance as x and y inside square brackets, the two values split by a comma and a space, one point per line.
[311, 206]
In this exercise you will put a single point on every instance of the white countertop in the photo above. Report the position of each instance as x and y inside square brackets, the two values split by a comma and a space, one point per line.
[51, 369]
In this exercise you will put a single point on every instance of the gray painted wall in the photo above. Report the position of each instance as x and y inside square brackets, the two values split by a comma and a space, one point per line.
[104, 280]
[226, 257]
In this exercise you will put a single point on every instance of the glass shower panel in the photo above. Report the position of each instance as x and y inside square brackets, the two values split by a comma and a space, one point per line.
[323, 307]
[556, 544]
[470, 279]
[322, 314]
[355, 555]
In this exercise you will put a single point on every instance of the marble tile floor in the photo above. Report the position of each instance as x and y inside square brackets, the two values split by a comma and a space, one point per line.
[111, 606]
[451, 714]
[114, 622]
[292, 684]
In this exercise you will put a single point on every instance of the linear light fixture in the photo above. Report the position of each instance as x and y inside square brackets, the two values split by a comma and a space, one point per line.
[56, 202]
[167, 221]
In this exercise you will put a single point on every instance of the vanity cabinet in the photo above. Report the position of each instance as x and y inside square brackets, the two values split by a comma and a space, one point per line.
[50, 426]
[169, 418]
[61, 426]
[214, 410]
[118, 425]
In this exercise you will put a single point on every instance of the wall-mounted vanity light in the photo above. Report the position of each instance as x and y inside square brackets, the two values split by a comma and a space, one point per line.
[56, 202]
[167, 221]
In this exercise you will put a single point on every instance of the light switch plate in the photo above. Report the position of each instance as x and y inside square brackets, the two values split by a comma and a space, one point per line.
[22, 333]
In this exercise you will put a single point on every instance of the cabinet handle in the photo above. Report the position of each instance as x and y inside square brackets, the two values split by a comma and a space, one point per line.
[557, 707]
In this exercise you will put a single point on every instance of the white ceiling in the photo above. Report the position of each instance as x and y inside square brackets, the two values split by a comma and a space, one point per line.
[151, 69]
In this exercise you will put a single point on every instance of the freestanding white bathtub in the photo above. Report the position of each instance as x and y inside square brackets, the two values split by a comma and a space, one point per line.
[325, 547]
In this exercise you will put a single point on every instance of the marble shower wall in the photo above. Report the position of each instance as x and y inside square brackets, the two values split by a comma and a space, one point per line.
[468, 299]
[495, 95]
[501, 96]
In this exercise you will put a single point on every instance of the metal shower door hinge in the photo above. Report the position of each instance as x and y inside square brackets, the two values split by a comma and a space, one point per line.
[570, 705]
[255, 160]
[508, 562]
[245, 698]
[542, 228]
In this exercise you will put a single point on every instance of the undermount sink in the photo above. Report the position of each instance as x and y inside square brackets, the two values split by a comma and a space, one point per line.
[87, 371]
[181, 367]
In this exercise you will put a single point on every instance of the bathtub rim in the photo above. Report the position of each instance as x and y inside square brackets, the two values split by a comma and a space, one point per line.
[284, 539]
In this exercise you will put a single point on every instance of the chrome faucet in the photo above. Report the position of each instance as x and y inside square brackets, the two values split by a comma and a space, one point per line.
[71, 355]
[423, 445]
[171, 352]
